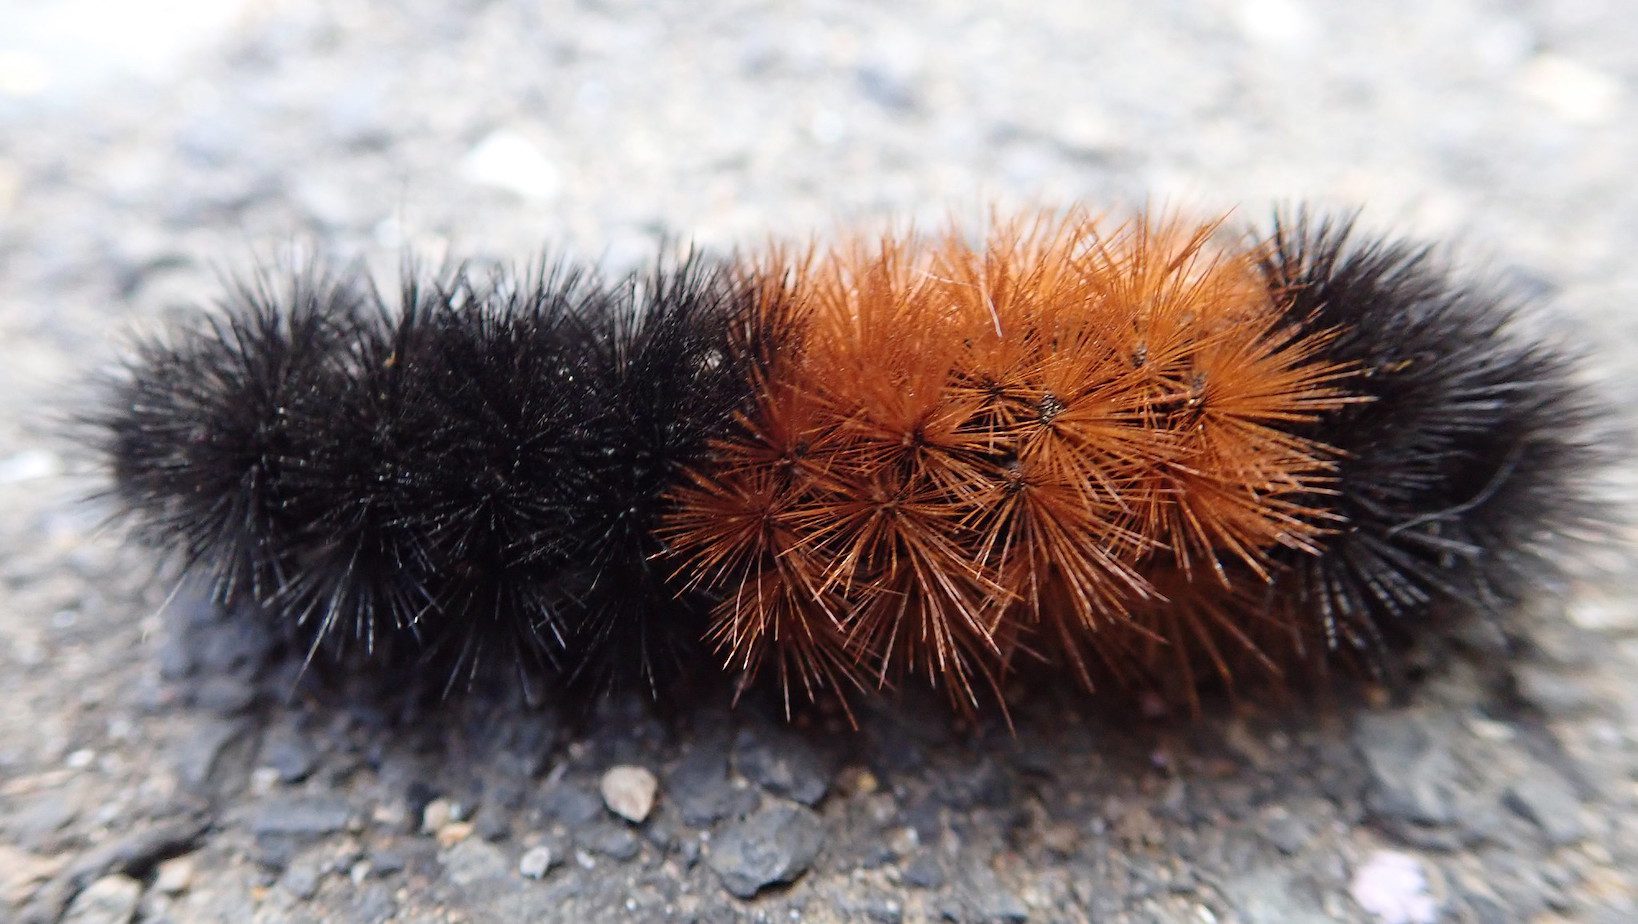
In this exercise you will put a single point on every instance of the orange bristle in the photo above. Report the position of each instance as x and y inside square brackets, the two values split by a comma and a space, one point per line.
[974, 452]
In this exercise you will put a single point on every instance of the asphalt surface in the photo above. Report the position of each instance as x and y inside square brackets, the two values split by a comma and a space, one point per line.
[159, 763]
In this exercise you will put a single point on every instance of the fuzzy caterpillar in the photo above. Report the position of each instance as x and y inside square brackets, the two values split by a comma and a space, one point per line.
[1140, 451]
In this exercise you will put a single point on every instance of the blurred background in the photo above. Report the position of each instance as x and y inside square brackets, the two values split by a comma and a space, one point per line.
[146, 145]
[141, 141]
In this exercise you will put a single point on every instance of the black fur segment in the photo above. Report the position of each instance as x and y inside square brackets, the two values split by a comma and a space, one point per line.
[197, 430]
[461, 482]
[1464, 463]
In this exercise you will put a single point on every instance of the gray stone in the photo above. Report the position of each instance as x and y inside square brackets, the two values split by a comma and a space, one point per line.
[289, 752]
[570, 804]
[1507, 888]
[923, 872]
[418, 794]
[493, 822]
[774, 845]
[1545, 799]
[1412, 772]
[988, 899]
[545, 901]
[1552, 691]
[203, 639]
[782, 762]
[225, 695]
[473, 860]
[36, 823]
[373, 905]
[926, 816]
[300, 816]
[109, 900]
[134, 854]
[877, 908]
[386, 862]
[1486, 908]
[699, 788]
[892, 91]
[301, 878]
[215, 758]
[233, 644]
[613, 841]
[1394, 886]
[1001, 905]
[1288, 832]
[985, 783]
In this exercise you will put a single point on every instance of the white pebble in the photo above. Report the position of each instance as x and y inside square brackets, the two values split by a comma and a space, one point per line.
[1392, 888]
[535, 862]
[507, 160]
[174, 876]
[29, 465]
[1578, 92]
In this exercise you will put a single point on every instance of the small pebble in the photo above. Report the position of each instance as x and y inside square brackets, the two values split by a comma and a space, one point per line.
[775, 845]
[783, 762]
[109, 900]
[610, 840]
[857, 781]
[387, 816]
[300, 817]
[536, 861]
[173, 876]
[629, 792]
[386, 862]
[453, 833]
[302, 878]
[438, 814]
[509, 161]
[1392, 887]
[474, 860]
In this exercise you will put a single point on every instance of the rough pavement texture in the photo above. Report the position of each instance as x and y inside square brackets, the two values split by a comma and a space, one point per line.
[155, 764]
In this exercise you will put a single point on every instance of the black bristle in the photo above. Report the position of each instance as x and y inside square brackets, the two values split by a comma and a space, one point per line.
[363, 479]
[462, 484]
[1466, 457]
[666, 369]
[198, 428]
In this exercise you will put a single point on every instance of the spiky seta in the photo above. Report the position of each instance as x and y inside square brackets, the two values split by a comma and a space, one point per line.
[1132, 453]
[453, 480]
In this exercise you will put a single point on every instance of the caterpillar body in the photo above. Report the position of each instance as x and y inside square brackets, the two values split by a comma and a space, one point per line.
[1145, 454]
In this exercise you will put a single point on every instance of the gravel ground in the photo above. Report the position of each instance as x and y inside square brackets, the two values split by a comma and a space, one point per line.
[159, 763]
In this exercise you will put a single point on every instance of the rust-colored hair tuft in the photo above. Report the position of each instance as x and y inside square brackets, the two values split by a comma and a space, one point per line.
[973, 454]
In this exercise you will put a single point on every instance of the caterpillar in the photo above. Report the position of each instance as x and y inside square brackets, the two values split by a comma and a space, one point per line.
[1142, 453]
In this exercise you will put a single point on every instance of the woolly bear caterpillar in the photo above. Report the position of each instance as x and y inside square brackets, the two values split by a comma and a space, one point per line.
[1131, 450]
